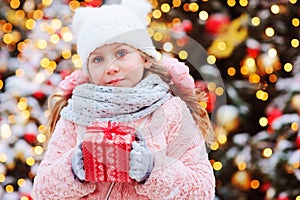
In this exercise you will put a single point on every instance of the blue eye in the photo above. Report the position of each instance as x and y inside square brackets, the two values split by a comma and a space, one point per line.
[121, 53]
[98, 59]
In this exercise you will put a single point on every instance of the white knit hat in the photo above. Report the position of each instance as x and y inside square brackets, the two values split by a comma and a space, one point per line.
[95, 27]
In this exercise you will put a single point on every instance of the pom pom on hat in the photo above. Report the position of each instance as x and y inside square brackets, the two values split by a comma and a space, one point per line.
[125, 23]
[140, 8]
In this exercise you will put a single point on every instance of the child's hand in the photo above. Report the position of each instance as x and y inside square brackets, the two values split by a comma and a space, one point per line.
[179, 73]
[77, 164]
[141, 161]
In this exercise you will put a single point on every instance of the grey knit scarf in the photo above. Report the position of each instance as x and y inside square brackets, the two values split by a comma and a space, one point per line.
[91, 103]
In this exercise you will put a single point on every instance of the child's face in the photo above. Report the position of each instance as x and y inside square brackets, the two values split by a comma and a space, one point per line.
[117, 65]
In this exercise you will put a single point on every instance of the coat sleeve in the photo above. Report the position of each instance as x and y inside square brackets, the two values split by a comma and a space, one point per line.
[182, 168]
[55, 179]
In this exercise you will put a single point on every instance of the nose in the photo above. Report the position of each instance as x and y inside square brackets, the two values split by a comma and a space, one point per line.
[112, 69]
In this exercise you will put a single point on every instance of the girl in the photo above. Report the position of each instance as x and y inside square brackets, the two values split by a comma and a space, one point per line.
[122, 82]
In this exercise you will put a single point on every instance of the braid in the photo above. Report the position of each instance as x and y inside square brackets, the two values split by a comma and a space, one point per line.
[60, 101]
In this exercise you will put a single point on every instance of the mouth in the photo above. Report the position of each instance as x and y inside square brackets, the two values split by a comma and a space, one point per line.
[114, 81]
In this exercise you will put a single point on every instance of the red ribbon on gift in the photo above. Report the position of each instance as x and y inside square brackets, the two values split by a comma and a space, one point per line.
[112, 127]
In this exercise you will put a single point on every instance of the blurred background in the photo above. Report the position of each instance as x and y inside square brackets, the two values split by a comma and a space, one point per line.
[251, 74]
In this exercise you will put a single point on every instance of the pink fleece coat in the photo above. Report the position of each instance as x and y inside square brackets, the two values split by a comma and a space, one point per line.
[182, 169]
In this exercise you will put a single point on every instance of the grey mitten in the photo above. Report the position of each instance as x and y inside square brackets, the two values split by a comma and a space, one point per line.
[141, 161]
[77, 164]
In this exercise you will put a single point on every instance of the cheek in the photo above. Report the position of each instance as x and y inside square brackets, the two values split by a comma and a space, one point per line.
[96, 75]
[133, 67]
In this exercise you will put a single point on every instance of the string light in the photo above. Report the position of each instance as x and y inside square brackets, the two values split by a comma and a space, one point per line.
[66, 53]
[270, 32]
[186, 7]
[30, 24]
[203, 15]
[231, 3]
[168, 46]
[49, 2]
[2, 178]
[176, 3]
[76, 61]
[211, 86]
[19, 15]
[254, 78]
[295, 126]
[211, 59]
[157, 36]
[183, 54]
[295, 22]
[272, 52]
[214, 146]
[21, 182]
[30, 161]
[5, 131]
[267, 152]
[263, 121]
[156, 14]
[255, 184]
[275, 9]
[222, 139]
[260, 94]
[41, 44]
[242, 166]
[38, 150]
[3, 157]
[219, 91]
[14, 4]
[288, 67]
[56, 24]
[9, 188]
[217, 166]
[38, 14]
[165, 7]
[193, 7]
[273, 78]
[41, 138]
[243, 3]
[231, 71]
[295, 43]
[73, 5]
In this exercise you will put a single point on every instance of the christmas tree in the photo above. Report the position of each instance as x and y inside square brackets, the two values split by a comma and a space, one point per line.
[244, 53]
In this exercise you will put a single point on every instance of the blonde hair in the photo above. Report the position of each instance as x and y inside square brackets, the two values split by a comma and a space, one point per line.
[192, 100]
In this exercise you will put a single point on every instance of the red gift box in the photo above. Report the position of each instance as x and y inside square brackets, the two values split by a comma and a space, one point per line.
[106, 148]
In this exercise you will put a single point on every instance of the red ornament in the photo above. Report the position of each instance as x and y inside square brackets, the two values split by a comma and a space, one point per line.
[25, 195]
[39, 94]
[93, 3]
[211, 101]
[264, 187]
[298, 141]
[216, 23]
[187, 25]
[253, 48]
[283, 196]
[273, 113]
[30, 137]
[211, 97]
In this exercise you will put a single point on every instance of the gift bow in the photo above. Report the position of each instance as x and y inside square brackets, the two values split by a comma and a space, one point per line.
[111, 129]
[179, 73]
